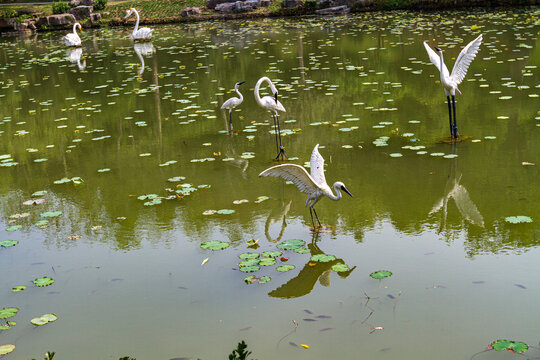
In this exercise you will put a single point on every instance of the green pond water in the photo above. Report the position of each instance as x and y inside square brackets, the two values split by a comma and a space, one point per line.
[128, 274]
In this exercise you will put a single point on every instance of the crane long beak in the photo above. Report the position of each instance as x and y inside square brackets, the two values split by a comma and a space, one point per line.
[347, 191]
[240, 83]
[436, 48]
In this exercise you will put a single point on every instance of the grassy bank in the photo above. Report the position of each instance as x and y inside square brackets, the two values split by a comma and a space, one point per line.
[169, 11]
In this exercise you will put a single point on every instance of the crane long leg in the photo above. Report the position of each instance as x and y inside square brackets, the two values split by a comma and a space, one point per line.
[311, 213]
[455, 133]
[319, 221]
[281, 152]
[230, 121]
[276, 131]
[450, 115]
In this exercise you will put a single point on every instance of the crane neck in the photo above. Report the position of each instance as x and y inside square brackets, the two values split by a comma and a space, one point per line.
[75, 28]
[136, 22]
[338, 196]
[258, 85]
[238, 92]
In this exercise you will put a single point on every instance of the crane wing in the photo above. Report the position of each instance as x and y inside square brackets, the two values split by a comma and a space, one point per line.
[295, 173]
[317, 166]
[434, 58]
[464, 59]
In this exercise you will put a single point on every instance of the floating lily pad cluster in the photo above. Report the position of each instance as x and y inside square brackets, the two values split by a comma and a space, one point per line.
[509, 345]
[44, 319]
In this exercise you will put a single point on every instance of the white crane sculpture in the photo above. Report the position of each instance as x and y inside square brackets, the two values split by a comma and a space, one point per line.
[273, 105]
[451, 81]
[233, 102]
[313, 185]
[143, 33]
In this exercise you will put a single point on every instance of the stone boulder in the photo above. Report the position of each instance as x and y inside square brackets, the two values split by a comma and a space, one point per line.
[242, 6]
[212, 4]
[95, 17]
[265, 3]
[27, 11]
[225, 8]
[191, 11]
[81, 12]
[290, 4]
[75, 3]
[336, 10]
[22, 27]
[56, 20]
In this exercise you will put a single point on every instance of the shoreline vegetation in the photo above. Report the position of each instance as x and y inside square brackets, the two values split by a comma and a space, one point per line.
[20, 18]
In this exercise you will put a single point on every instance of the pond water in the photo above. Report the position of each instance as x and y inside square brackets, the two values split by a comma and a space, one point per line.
[121, 121]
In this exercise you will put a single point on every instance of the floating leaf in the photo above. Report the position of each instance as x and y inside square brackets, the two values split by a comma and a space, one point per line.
[44, 319]
[18, 288]
[252, 243]
[8, 312]
[518, 219]
[209, 212]
[6, 349]
[249, 269]
[284, 268]
[8, 325]
[271, 254]
[340, 267]
[304, 346]
[248, 255]
[323, 258]
[264, 279]
[291, 244]
[301, 250]
[51, 214]
[215, 245]
[248, 262]
[249, 279]
[13, 228]
[267, 261]
[44, 281]
[205, 261]
[8, 243]
[225, 211]
[33, 202]
[512, 346]
[381, 274]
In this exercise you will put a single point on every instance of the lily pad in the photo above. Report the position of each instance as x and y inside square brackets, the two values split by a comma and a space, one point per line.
[8, 243]
[301, 250]
[248, 262]
[249, 269]
[44, 281]
[8, 312]
[6, 349]
[284, 268]
[18, 288]
[291, 244]
[248, 255]
[271, 254]
[8, 325]
[225, 211]
[514, 346]
[267, 261]
[264, 279]
[518, 219]
[215, 245]
[44, 319]
[323, 258]
[340, 267]
[51, 214]
[381, 274]
[13, 228]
